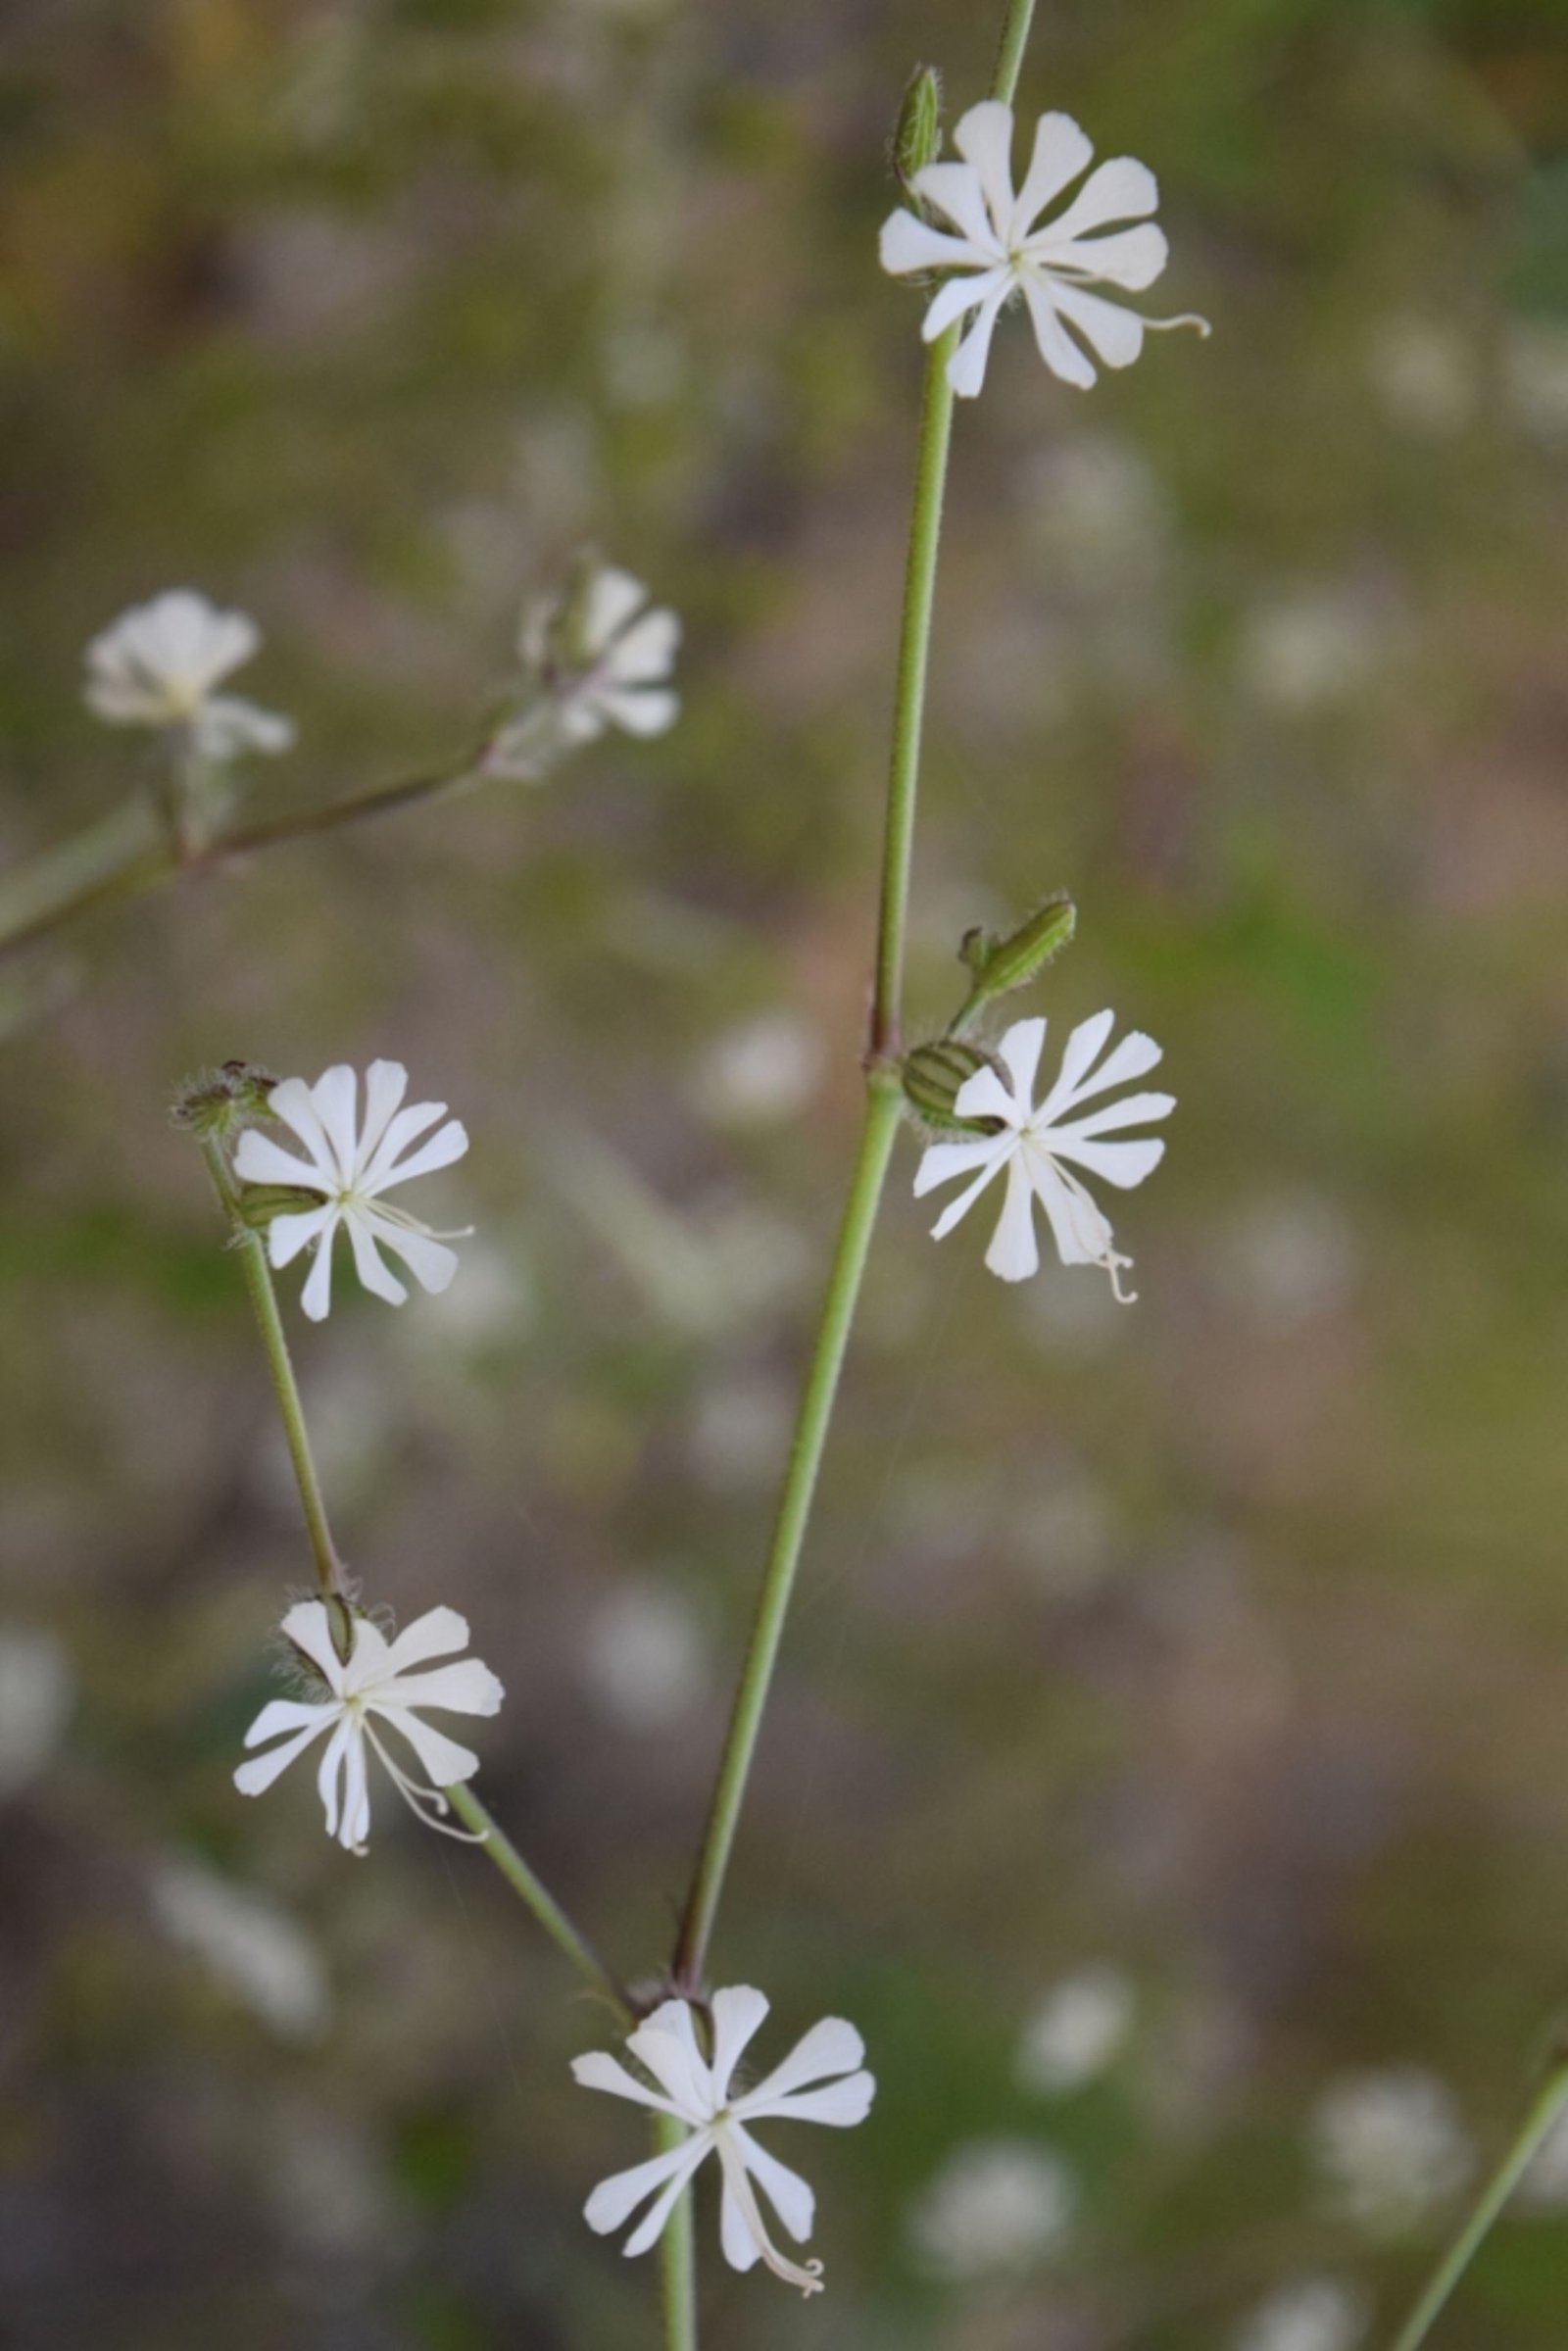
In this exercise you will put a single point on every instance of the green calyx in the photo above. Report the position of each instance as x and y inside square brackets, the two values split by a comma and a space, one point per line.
[934, 1075]
[1000, 966]
[220, 1103]
[918, 133]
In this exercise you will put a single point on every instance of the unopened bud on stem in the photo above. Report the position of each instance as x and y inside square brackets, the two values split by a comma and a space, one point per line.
[1000, 966]
[217, 1105]
[918, 133]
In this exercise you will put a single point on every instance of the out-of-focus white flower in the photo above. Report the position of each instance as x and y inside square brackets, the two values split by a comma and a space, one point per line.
[761, 1072]
[645, 1657]
[1076, 2030]
[353, 1166]
[607, 656]
[36, 1692]
[1031, 1142]
[821, 2080]
[1390, 2147]
[375, 1685]
[1313, 648]
[1424, 373]
[1534, 363]
[255, 1951]
[1000, 251]
[1316, 2313]
[998, 2206]
[156, 666]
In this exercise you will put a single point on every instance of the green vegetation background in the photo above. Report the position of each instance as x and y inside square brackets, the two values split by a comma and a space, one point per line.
[1224, 1641]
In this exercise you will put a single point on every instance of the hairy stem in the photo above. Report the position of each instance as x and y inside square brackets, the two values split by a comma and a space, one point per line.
[252, 1253]
[877, 1133]
[1550, 2101]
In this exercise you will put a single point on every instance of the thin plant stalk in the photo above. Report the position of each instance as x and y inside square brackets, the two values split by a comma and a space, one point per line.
[1550, 2102]
[877, 1133]
[332, 1582]
[677, 2254]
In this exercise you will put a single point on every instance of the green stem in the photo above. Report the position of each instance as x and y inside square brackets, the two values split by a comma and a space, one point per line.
[678, 2257]
[546, 1909]
[252, 1253]
[1550, 2101]
[881, 1125]
[877, 1133]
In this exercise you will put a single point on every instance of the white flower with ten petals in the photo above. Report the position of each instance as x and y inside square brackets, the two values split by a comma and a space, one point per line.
[821, 2080]
[1000, 251]
[353, 1166]
[1032, 1143]
[156, 666]
[375, 1684]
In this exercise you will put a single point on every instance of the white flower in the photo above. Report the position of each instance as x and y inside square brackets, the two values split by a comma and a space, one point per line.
[353, 1166]
[376, 1682]
[255, 1951]
[621, 654]
[1000, 251]
[699, 2092]
[158, 664]
[1076, 2030]
[998, 2206]
[1032, 1142]
[1316, 2313]
[1392, 2147]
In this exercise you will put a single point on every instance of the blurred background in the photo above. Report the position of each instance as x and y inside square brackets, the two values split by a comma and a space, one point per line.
[1169, 1767]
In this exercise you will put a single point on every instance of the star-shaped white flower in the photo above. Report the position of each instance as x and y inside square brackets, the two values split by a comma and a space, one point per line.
[375, 1685]
[156, 666]
[626, 650]
[821, 2080]
[999, 249]
[1032, 1143]
[353, 1166]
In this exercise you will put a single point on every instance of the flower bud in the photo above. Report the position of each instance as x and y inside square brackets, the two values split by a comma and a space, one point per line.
[918, 133]
[933, 1076]
[221, 1102]
[1000, 966]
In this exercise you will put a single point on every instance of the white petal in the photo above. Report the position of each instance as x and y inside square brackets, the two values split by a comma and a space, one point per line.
[252, 1777]
[955, 190]
[1122, 189]
[356, 1800]
[401, 1133]
[1132, 1110]
[740, 2248]
[842, 2104]
[375, 1275]
[958, 1208]
[329, 1777]
[615, 2199]
[645, 653]
[225, 724]
[1062, 149]
[1115, 332]
[966, 369]
[288, 1233]
[651, 2227]
[447, 1143]
[334, 1098]
[787, 2192]
[386, 1085]
[290, 1102]
[984, 138]
[940, 1162]
[642, 710]
[959, 295]
[1080, 1227]
[908, 245]
[613, 595]
[309, 1627]
[666, 2046]
[466, 1688]
[1020, 1050]
[738, 2010]
[1078, 1079]
[316, 1296]
[597, 2070]
[831, 2047]
[1014, 1254]
[446, 1762]
[1129, 257]
[438, 1633]
[288, 1714]
[260, 1160]
[1055, 345]
[430, 1262]
[986, 1095]
[1123, 1164]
